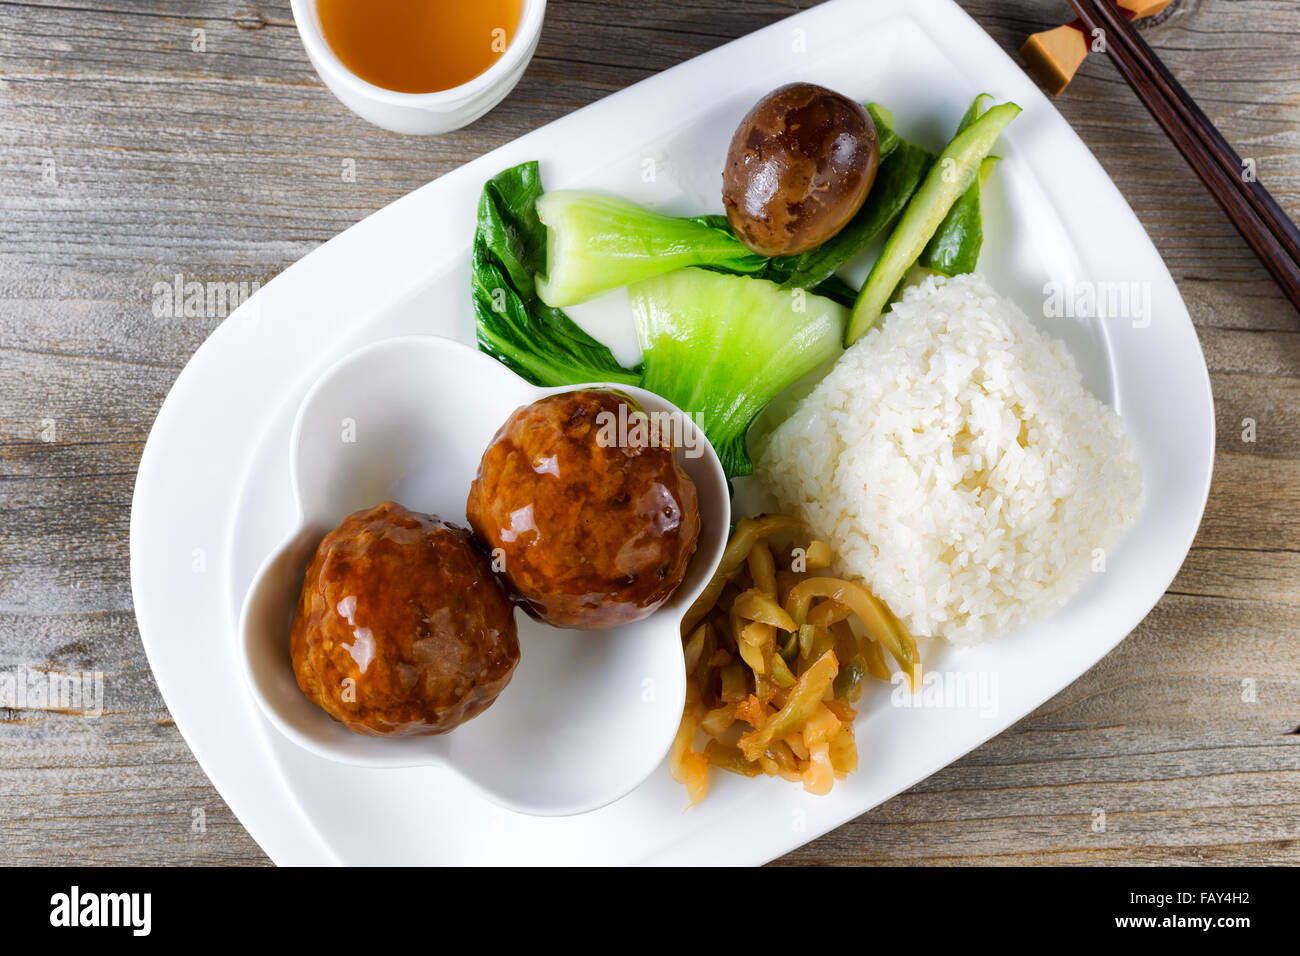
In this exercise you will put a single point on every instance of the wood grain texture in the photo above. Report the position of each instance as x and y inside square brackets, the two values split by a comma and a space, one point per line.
[127, 157]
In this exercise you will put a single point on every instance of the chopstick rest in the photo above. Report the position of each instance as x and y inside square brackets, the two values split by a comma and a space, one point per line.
[1055, 55]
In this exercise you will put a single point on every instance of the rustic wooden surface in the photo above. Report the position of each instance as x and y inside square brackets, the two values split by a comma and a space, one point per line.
[225, 165]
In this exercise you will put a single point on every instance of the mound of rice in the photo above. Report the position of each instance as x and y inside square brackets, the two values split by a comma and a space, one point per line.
[956, 464]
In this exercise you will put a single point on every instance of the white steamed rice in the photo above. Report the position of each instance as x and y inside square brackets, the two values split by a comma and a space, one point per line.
[955, 462]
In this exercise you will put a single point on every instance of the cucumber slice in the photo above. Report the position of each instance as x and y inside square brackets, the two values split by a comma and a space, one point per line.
[951, 175]
[883, 120]
[595, 243]
[722, 346]
[955, 248]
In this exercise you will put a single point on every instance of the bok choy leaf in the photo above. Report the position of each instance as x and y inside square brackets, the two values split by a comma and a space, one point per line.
[722, 346]
[539, 343]
[597, 242]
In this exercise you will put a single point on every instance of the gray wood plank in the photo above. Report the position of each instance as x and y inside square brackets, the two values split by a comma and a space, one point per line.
[226, 165]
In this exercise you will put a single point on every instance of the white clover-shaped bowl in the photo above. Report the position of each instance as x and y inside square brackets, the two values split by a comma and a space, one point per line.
[588, 715]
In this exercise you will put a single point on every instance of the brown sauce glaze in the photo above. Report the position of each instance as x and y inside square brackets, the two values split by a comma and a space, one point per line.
[592, 533]
[401, 627]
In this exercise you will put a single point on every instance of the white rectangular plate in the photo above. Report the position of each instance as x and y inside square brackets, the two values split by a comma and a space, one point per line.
[214, 474]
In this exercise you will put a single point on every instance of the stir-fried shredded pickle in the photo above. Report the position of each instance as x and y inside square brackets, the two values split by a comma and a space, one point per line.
[774, 663]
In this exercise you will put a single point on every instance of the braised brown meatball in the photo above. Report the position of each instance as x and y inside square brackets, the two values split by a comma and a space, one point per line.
[595, 528]
[402, 628]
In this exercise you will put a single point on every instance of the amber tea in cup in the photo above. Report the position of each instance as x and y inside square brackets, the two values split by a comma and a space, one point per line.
[418, 46]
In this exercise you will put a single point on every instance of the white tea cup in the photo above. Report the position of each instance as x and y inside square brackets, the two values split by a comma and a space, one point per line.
[421, 113]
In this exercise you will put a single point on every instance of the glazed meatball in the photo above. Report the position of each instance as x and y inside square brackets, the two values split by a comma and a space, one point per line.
[595, 525]
[402, 628]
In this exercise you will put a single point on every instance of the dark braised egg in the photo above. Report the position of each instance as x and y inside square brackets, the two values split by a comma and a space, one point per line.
[799, 168]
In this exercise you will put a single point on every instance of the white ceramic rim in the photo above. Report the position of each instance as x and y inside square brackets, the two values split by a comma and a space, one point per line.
[323, 57]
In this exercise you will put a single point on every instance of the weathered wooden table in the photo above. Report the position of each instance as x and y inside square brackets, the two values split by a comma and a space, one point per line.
[135, 148]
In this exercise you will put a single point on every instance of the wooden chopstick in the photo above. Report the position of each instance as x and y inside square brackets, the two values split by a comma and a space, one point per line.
[1227, 157]
[1055, 55]
[1257, 216]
